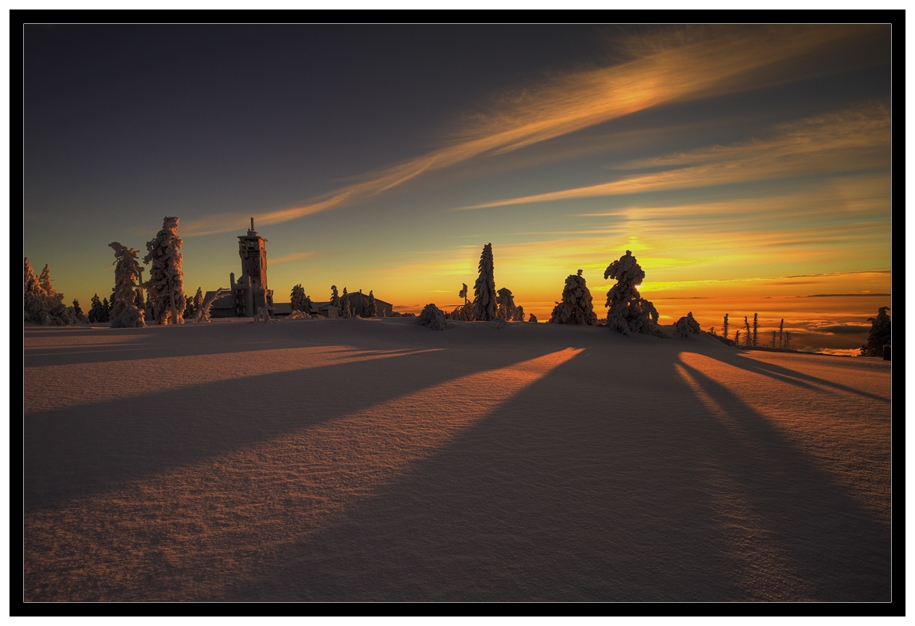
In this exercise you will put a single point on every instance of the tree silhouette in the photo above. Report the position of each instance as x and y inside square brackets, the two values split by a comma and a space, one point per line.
[484, 290]
[628, 311]
[725, 325]
[576, 306]
[755, 328]
[880, 333]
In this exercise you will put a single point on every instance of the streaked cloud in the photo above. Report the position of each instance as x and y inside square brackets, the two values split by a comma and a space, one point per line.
[670, 66]
[853, 140]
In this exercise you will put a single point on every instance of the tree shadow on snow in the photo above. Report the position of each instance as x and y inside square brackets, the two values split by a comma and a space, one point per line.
[592, 485]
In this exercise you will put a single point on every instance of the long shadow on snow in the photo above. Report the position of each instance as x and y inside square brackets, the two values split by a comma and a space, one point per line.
[80, 450]
[604, 501]
[203, 339]
[792, 377]
[601, 501]
[837, 545]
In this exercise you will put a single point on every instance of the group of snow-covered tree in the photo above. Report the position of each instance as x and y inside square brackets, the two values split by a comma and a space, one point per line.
[41, 304]
[487, 303]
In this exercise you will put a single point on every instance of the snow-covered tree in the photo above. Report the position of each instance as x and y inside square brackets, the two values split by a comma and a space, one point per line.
[166, 280]
[372, 307]
[748, 336]
[506, 304]
[881, 333]
[98, 312]
[124, 311]
[628, 311]
[45, 281]
[32, 285]
[725, 328]
[774, 338]
[737, 338]
[432, 317]
[76, 308]
[40, 303]
[576, 306]
[346, 310]
[297, 299]
[686, 326]
[781, 334]
[755, 328]
[519, 314]
[334, 296]
[532, 319]
[484, 290]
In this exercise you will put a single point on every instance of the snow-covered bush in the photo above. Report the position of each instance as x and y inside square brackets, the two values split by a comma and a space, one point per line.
[686, 326]
[166, 280]
[124, 311]
[484, 290]
[506, 303]
[576, 306]
[463, 312]
[532, 319]
[432, 317]
[297, 299]
[628, 311]
[202, 313]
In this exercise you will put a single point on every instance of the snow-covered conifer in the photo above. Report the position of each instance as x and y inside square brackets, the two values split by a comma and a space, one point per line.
[432, 317]
[372, 305]
[628, 311]
[76, 308]
[506, 304]
[774, 338]
[166, 280]
[748, 336]
[881, 333]
[297, 299]
[97, 311]
[755, 328]
[40, 303]
[484, 290]
[532, 319]
[346, 310]
[45, 281]
[124, 311]
[519, 314]
[576, 306]
[781, 334]
[686, 326]
[737, 338]
[32, 285]
[725, 326]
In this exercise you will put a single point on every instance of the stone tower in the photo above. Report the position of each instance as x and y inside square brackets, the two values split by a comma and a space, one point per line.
[251, 289]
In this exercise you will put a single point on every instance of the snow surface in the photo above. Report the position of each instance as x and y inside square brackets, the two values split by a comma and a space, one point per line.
[371, 459]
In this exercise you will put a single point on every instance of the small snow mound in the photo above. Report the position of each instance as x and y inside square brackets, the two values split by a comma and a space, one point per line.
[686, 326]
[433, 317]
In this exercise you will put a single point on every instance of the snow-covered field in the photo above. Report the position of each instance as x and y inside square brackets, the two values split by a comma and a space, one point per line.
[319, 460]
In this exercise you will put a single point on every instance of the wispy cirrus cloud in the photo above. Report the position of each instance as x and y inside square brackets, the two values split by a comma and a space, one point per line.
[853, 140]
[290, 258]
[669, 66]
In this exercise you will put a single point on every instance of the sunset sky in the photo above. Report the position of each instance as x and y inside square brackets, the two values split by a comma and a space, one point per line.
[747, 168]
